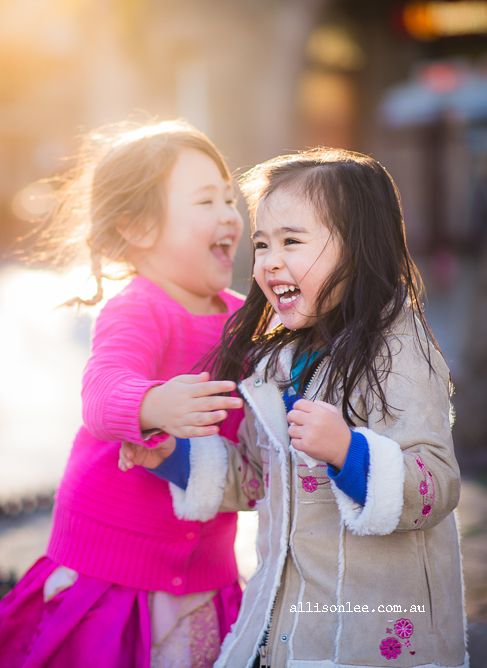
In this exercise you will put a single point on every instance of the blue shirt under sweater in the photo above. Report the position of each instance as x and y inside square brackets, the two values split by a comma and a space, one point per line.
[351, 479]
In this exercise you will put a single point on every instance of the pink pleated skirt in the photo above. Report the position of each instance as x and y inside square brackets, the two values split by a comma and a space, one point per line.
[91, 624]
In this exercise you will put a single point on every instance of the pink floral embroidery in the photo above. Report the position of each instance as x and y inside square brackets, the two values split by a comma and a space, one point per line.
[407, 643]
[426, 489]
[249, 481]
[310, 484]
[388, 630]
[390, 648]
[267, 480]
[404, 628]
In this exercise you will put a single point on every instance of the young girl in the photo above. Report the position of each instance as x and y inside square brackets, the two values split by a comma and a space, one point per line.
[158, 199]
[359, 562]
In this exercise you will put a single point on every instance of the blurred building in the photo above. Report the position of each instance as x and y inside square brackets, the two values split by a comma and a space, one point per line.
[403, 81]
[68, 66]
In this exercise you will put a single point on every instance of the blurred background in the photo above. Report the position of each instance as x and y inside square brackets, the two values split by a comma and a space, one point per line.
[405, 82]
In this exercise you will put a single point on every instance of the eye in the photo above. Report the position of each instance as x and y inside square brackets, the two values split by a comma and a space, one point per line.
[206, 201]
[232, 202]
[288, 242]
[260, 245]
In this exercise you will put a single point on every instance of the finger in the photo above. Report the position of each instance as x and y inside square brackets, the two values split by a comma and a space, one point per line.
[197, 432]
[205, 418]
[192, 378]
[328, 407]
[122, 454]
[128, 449]
[297, 417]
[215, 403]
[123, 457]
[207, 388]
[332, 409]
[297, 444]
[124, 465]
[295, 431]
[304, 405]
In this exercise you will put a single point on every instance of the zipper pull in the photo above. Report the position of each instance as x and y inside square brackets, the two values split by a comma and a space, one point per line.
[265, 659]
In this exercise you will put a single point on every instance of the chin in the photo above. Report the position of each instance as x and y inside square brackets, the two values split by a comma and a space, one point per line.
[295, 323]
[222, 285]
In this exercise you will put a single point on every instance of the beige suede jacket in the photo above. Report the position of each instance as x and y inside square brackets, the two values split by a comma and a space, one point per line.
[339, 584]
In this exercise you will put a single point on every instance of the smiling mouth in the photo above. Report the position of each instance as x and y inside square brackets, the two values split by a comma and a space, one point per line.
[221, 250]
[286, 294]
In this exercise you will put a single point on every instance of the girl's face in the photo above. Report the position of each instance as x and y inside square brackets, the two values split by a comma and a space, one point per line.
[294, 254]
[192, 256]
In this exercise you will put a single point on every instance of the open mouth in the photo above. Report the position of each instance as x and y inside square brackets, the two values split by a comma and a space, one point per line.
[286, 294]
[221, 250]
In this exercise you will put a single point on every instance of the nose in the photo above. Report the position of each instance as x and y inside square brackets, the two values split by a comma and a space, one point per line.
[273, 261]
[230, 216]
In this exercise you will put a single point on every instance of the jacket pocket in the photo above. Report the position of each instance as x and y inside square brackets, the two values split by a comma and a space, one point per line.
[426, 579]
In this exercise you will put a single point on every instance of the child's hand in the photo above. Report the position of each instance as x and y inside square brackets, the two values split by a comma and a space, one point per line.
[184, 406]
[319, 430]
[132, 454]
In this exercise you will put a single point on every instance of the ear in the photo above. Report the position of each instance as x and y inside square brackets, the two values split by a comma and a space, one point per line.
[139, 233]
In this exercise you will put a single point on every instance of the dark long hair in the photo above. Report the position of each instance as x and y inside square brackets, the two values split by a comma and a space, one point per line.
[357, 200]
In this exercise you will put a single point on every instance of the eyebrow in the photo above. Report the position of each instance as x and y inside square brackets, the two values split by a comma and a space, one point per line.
[282, 230]
[210, 187]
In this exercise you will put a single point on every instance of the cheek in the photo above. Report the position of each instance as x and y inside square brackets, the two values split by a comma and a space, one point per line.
[321, 269]
[239, 227]
[259, 275]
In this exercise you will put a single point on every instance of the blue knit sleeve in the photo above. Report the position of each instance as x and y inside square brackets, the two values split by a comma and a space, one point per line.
[352, 479]
[176, 467]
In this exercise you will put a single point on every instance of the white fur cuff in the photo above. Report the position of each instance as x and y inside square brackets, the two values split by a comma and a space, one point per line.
[208, 472]
[385, 489]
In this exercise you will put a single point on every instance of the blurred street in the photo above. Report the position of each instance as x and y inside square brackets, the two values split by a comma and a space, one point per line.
[42, 353]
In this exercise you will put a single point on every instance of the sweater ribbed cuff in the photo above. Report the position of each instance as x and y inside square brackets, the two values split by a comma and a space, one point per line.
[115, 416]
[352, 479]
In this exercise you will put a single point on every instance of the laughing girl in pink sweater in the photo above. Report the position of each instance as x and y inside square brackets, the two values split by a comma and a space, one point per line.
[125, 583]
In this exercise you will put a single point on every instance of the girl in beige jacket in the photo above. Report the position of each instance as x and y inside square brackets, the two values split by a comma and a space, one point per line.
[346, 448]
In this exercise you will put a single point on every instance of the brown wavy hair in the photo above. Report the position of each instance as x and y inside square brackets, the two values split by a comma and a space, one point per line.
[117, 181]
[357, 200]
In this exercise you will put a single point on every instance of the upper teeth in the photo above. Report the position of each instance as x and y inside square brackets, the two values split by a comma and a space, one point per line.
[223, 242]
[281, 289]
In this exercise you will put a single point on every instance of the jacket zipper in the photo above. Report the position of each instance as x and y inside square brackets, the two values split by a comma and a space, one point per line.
[265, 659]
[315, 373]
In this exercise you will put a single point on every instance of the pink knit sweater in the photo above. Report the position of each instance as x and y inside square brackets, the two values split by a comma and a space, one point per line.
[119, 526]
